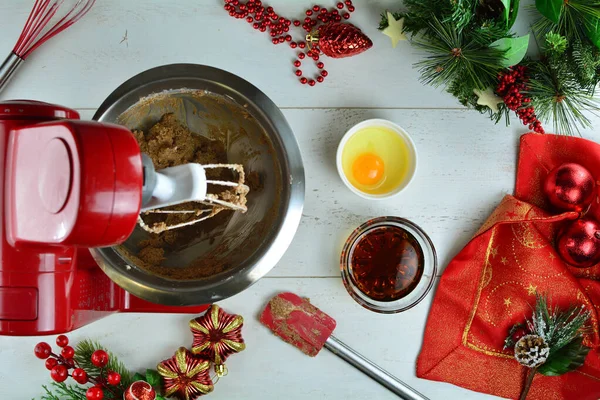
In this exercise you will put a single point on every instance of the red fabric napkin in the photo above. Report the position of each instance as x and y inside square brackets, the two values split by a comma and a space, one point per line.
[491, 285]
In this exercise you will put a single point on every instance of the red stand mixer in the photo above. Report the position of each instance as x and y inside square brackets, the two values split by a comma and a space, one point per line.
[68, 185]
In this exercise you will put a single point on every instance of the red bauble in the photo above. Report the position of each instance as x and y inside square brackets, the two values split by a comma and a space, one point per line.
[113, 378]
[579, 243]
[80, 376]
[50, 363]
[94, 393]
[339, 40]
[570, 187]
[140, 390]
[62, 341]
[42, 350]
[59, 373]
[67, 352]
[99, 358]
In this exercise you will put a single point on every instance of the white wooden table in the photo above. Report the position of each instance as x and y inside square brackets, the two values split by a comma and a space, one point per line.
[466, 166]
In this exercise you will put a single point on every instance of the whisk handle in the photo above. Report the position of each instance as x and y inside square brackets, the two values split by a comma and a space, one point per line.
[8, 68]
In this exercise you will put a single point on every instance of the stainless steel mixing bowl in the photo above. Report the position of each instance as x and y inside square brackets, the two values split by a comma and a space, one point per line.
[245, 247]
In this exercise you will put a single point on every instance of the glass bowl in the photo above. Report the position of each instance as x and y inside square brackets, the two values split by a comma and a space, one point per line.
[412, 298]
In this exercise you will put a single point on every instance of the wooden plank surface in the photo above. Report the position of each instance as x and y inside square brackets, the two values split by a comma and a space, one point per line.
[466, 165]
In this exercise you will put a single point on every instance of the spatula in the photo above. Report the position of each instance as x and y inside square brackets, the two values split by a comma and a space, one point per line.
[303, 325]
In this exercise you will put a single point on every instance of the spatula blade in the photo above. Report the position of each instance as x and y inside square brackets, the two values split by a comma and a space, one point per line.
[298, 322]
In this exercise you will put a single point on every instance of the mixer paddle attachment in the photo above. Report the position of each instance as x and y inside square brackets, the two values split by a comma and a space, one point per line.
[181, 193]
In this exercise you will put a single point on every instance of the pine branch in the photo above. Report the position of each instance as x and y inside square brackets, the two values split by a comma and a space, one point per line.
[556, 95]
[455, 56]
[574, 19]
[62, 391]
[83, 354]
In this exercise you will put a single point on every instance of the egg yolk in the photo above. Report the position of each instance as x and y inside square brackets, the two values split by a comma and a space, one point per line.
[368, 169]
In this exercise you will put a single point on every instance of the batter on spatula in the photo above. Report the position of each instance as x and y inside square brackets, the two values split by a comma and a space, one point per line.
[298, 322]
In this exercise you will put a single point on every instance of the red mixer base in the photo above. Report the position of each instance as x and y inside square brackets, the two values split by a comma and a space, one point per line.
[61, 301]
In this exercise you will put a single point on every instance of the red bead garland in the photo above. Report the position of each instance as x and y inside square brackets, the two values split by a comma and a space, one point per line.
[511, 87]
[265, 19]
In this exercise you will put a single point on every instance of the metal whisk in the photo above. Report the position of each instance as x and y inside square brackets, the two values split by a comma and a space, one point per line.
[44, 22]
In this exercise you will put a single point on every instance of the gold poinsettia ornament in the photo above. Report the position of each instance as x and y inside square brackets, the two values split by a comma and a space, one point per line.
[217, 335]
[185, 375]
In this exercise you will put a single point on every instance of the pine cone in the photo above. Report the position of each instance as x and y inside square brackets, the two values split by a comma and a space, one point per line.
[531, 351]
[339, 40]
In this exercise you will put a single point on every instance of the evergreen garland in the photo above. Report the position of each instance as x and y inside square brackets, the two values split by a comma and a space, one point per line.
[469, 47]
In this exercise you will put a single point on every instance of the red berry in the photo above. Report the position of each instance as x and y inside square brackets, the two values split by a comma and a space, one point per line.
[67, 352]
[94, 393]
[301, 56]
[42, 350]
[316, 7]
[303, 80]
[309, 12]
[298, 72]
[348, 2]
[80, 376]
[346, 15]
[302, 45]
[323, 10]
[113, 378]
[99, 358]
[351, 8]
[323, 73]
[320, 65]
[297, 23]
[311, 83]
[297, 63]
[340, 5]
[320, 79]
[59, 373]
[62, 341]
[50, 363]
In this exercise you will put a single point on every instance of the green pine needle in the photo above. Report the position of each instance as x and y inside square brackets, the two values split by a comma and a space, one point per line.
[572, 22]
[62, 391]
[557, 96]
[454, 56]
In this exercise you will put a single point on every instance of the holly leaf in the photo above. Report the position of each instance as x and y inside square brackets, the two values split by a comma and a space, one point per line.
[513, 14]
[568, 358]
[153, 378]
[550, 9]
[514, 49]
[592, 30]
[138, 377]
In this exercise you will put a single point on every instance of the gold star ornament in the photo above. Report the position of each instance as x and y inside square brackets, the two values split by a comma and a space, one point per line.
[395, 29]
[531, 290]
[488, 98]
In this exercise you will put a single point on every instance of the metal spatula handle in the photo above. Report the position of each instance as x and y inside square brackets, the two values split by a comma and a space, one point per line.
[378, 374]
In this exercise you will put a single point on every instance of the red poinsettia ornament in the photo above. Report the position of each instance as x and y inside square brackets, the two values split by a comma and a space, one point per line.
[185, 376]
[217, 335]
[339, 40]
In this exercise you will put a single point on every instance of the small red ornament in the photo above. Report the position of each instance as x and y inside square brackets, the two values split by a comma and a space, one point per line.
[579, 243]
[217, 334]
[339, 40]
[67, 352]
[62, 341]
[42, 350]
[94, 393]
[570, 187]
[50, 363]
[113, 378]
[80, 376]
[99, 358]
[140, 390]
[59, 373]
[185, 376]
